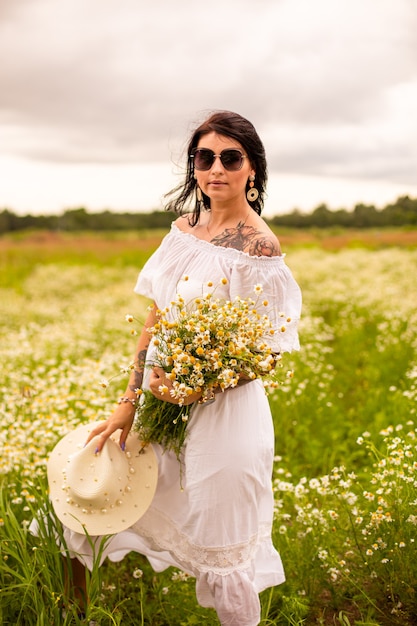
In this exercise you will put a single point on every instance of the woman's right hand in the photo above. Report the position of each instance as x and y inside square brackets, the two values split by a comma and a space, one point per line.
[121, 419]
[124, 414]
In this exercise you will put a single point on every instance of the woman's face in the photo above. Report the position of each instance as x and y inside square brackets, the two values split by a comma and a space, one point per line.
[218, 183]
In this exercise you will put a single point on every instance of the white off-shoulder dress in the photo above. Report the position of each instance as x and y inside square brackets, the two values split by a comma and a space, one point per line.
[216, 524]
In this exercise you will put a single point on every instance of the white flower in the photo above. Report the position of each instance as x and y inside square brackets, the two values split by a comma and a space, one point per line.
[334, 573]
[181, 576]
[267, 363]
[322, 554]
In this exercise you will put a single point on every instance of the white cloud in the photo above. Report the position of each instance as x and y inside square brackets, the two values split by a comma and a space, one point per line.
[331, 85]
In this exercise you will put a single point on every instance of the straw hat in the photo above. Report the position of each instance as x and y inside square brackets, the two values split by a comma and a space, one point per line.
[104, 493]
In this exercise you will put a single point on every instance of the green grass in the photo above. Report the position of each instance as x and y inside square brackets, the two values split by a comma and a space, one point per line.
[346, 468]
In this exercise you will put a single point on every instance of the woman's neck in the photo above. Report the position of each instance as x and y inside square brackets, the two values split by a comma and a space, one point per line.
[225, 213]
[218, 220]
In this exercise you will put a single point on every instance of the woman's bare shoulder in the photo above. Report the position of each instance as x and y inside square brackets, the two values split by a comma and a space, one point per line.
[260, 240]
[183, 223]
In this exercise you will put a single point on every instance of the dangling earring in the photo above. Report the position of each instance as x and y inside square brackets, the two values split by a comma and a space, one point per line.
[252, 193]
[198, 192]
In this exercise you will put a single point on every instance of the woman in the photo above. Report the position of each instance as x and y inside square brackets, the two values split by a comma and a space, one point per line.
[215, 524]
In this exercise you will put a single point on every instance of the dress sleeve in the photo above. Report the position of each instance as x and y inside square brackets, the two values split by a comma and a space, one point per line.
[144, 283]
[279, 288]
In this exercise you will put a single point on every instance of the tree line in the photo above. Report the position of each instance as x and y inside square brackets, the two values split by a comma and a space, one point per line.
[403, 212]
[80, 219]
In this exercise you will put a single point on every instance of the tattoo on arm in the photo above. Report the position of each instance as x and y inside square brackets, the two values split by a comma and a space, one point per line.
[247, 239]
[138, 371]
[263, 246]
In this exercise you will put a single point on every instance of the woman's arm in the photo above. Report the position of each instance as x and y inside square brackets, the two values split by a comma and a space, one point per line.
[123, 415]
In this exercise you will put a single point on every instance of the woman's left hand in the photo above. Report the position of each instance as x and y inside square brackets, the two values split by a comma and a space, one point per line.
[161, 386]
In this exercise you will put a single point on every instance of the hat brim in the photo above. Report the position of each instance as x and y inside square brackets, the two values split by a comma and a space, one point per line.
[135, 502]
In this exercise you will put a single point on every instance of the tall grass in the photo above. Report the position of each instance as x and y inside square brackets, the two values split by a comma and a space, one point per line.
[345, 472]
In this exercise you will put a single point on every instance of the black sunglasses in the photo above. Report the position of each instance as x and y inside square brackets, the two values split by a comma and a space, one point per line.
[231, 159]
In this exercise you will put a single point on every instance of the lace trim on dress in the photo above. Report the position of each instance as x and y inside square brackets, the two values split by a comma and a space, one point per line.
[222, 560]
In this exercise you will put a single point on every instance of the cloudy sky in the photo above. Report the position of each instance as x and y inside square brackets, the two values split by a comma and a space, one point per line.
[98, 97]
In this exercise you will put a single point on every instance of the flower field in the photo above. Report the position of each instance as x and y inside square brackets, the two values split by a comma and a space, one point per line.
[346, 434]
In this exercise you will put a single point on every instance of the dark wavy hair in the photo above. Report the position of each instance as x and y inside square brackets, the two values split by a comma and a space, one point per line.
[230, 125]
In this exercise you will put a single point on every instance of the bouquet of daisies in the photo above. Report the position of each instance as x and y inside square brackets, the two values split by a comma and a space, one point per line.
[206, 345]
